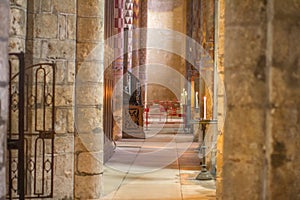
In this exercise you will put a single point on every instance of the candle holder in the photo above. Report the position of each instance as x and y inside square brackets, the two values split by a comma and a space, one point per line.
[204, 174]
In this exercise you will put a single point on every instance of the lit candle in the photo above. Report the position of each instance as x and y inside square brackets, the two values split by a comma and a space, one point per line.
[197, 100]
[204, 109]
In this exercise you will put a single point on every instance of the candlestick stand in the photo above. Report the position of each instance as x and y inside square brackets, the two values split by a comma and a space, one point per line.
[204, 174]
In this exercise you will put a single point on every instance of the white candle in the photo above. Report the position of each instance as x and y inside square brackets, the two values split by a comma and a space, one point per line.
[197, 100]
[183, 97]
[204, 109]
[182, 100]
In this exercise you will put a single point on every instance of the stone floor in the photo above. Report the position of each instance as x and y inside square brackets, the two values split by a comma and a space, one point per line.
[161, 167]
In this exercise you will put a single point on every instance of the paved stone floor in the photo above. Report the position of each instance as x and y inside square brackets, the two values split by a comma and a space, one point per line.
[161, 167]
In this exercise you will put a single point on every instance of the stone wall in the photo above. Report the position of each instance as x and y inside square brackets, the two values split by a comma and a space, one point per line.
[51, 36]
[46, 31]
[65, 32]
[4, 24]
[166, 15]
[262, 68]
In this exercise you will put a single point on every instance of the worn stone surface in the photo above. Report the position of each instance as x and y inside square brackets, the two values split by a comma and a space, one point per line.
[251, 40]
[89, 70]
[65, 95]
[18, 21]
[250, 91]
[88, 187]
[246, 13]
[4, 24]
[221, 101]
[94, 98]
[89, 100]
[89, 51]
[245, 118]
[88, 142]
[71, 27]
[18, 25]
[51, 37]
[69, 6]
[90, 8]
[93, 27]
[45, 26]
[260, 138]
[87, 159]
[88, 120]
[285, 98]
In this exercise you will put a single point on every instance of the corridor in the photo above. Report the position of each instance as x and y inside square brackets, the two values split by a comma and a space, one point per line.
[160, 167]
[80, 77]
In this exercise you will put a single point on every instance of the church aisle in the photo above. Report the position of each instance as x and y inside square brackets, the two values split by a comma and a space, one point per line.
[162, 167]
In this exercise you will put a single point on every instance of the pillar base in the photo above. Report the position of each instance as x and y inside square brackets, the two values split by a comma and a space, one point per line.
[204, 176]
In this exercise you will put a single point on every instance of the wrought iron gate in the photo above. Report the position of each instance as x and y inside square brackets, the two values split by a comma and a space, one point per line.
[30, 137]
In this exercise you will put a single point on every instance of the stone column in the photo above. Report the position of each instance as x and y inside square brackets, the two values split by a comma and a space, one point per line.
[246, 87]
[128, 23]
[118, 66]
[4, 24]
[221, 98]
[283, 113]
[89, 99]
[18, 24]
[262, 76]
[143, 15]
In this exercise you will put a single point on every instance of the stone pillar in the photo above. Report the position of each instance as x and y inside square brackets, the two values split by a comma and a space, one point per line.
[262, 77]
[283, 115]
[89, 99]
[128, 23]
[246, 87]
[221, 98]
[4, 24]
[143, 20]
[118, 65]
[51, 36]
[18, 24]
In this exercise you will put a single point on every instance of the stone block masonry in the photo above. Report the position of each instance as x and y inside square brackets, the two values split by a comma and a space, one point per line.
[65, 32]
[46, 31]
[89, 100]
[51, 37]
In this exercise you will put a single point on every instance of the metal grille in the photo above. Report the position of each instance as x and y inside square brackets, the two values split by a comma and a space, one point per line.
[31, 129]
[133, 108]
